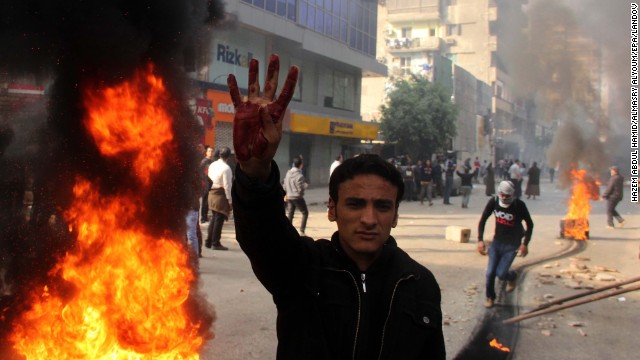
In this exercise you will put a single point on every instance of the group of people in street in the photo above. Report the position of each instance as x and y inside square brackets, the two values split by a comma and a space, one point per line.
[355, 294]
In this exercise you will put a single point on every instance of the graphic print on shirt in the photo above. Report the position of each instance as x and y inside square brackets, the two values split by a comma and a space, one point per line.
[504, 218]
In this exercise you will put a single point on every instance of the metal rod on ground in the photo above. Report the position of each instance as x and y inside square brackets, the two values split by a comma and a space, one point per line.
[585, 293]
[565, 306]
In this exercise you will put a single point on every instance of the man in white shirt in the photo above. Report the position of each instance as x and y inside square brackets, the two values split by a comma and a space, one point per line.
[515, 176]
[335, 164]
[219, 198]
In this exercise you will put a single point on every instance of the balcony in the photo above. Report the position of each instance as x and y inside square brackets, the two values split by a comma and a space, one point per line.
[401, 12]
[409, 45]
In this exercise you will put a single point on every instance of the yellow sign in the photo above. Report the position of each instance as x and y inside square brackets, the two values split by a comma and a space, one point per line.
[309, 124]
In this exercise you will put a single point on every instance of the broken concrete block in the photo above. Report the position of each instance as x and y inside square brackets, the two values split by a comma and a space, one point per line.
[458, 234]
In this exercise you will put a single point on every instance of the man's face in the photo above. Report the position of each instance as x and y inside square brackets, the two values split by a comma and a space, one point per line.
[365, 214]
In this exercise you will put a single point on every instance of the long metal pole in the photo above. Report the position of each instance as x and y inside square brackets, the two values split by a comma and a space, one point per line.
[565, 306]
[585, 293]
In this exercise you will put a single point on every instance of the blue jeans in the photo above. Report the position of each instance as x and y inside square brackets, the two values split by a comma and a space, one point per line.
[501, 257]
[192, 231]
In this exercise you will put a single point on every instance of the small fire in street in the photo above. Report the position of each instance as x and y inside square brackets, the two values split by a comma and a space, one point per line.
[584, 189]
[122, 291]
[495, 344]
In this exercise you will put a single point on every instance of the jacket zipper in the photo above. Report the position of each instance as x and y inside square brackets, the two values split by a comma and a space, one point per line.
[393, 295]
[363, 277]
[355, 283]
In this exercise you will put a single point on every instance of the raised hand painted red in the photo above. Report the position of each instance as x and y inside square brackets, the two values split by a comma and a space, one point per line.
[258, 119]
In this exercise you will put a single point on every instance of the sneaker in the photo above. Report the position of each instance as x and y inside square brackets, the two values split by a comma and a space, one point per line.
[488, 303]
[622, 223]
[220, 247]
[609, 227]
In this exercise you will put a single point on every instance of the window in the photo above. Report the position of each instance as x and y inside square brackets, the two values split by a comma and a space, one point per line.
[340, 89]
[406, 32]
[405, 66]
[432, 32]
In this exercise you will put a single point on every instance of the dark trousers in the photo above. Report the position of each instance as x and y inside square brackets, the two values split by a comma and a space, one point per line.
[300, 204]
[204, 207]
[501, 257]
[214, 232]
[612, 213]
[448, 185]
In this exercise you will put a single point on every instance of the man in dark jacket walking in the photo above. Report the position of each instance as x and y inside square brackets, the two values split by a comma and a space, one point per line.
[355, 296]
[613, 195]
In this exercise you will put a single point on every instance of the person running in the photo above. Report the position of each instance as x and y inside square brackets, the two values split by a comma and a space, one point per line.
[510, 238]
[613, 195]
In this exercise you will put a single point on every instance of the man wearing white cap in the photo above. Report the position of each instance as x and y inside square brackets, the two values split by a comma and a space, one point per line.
[510, 237]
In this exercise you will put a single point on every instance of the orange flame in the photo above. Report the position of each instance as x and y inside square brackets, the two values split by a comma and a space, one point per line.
[495, 344]
[583, 189]
[132, 119]
[125, 290]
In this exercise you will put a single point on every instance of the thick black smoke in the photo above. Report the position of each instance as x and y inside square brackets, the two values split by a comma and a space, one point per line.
[554, 61]
[69, 45]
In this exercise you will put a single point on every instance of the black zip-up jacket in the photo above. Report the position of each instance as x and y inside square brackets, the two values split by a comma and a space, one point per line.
[327, 308]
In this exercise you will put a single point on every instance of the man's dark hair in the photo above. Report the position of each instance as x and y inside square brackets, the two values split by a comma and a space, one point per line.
[365, 164]
[297, 162]
[225, 152]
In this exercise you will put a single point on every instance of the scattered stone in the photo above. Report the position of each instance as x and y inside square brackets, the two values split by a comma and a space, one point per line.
[572, 284]
[576, 324]
[604, 269]
[605, 277]
[546, 332]
[546, 281]
[580, 258]
[548, 296]
[548, 266]
[622, 299]
[545, 275]
[584, 276]
[445, 322]
[582, 332]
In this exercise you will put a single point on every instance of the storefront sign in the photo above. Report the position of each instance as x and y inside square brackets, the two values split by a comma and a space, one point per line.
[309, 124]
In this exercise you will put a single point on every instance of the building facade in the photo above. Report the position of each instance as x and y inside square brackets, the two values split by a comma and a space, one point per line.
[333, 44]
[415, 34]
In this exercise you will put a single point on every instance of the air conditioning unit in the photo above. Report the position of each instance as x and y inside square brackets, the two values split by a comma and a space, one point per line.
[382, 60]
[450, 41]
[389, 32]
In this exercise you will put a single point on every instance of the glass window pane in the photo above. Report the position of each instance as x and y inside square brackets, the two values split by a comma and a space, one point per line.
[271, 6]
[343, 31]
[319, 20]
[336, 29]
[319, 3]
[282, 8]
[259, 3]
[343, 8]
[335, 9]
[303, 12]
[292, 11]
[311, 17]
[352, 38]
[327, 24]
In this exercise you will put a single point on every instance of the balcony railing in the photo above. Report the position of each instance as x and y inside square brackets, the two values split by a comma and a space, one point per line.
[399, 45]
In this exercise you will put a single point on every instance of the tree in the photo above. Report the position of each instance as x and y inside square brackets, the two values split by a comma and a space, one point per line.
[419, 117]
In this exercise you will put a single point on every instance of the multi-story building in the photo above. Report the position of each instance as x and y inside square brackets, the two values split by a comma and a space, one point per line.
[413, 34]
[333, 43]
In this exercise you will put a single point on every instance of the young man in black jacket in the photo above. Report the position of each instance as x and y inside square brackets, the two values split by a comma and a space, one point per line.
[355, 296]
[509, 240]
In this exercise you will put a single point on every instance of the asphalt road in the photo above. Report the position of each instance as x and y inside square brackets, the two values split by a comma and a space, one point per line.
[245, 325]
